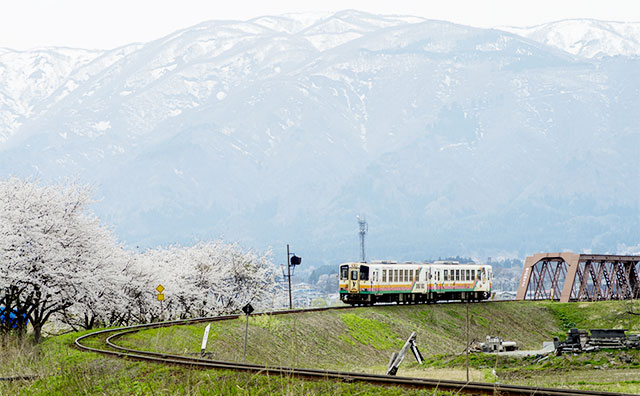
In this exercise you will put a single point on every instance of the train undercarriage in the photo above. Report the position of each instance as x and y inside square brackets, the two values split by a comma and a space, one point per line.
[365, 299]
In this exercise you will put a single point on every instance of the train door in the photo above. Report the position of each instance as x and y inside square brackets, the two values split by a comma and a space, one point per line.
[482, 278]
[426, 278]
[375, 285]
[354, 280]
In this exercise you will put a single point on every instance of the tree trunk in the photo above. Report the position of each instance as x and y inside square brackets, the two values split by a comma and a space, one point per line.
[37, 333]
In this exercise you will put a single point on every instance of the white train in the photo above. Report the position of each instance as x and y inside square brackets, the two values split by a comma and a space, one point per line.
[367, 283]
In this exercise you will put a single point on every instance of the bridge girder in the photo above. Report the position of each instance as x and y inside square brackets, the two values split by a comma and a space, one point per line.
[579, 277]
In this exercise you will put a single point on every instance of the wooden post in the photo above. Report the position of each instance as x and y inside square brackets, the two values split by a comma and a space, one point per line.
[467, 339]
[246, 333]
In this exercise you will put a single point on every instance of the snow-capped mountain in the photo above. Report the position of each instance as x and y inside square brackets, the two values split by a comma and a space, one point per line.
[450, 139]
[587, 38]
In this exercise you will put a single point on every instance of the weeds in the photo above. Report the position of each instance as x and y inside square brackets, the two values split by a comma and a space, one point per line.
[361, 340]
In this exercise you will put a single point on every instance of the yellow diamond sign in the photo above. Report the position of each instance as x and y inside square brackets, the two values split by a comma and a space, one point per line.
[160, 288]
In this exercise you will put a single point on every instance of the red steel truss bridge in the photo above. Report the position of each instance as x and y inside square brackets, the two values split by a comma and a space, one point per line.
[568, 277]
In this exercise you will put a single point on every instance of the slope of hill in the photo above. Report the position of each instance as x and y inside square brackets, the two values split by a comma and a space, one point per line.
[363, 339]
[359, 339]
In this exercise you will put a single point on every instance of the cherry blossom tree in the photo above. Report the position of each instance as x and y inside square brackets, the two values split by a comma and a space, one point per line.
[57, 260]
[50, 249]
[102, 299]
[211, 278]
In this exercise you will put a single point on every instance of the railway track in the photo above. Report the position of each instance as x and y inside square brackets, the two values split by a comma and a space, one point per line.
[110, 347]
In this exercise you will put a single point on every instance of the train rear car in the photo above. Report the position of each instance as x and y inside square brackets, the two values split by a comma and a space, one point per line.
[451, 280]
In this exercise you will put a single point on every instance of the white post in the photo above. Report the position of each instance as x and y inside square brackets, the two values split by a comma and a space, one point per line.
[204, 339]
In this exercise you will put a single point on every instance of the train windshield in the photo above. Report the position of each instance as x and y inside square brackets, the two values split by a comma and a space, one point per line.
[364, 273]
[344, 272]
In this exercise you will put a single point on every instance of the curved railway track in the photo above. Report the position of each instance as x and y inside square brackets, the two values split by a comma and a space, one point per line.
[460, 387]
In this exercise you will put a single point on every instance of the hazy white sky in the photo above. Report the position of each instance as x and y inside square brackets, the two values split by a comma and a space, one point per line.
[108, 24]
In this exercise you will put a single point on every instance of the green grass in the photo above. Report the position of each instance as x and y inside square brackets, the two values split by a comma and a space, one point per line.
[63, 370]
[361, 339]
[371, 332]
[604, 314]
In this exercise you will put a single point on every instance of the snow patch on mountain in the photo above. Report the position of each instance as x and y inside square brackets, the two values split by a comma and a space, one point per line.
[587, 38]
[29, 78]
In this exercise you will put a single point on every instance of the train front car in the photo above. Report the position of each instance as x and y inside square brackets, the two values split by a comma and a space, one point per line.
[383, 281]
[354, 283]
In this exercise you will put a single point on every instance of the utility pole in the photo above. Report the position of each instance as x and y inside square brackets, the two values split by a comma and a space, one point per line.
[292, 261]
[289, 276]
[362, 223]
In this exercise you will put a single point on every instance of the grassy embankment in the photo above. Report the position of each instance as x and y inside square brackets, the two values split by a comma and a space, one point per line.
[62, 370]
[355, 340]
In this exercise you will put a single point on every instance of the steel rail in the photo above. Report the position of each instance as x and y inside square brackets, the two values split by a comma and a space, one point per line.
[470, 388]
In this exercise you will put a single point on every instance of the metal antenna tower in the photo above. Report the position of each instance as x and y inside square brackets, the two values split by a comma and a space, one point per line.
[363, 230]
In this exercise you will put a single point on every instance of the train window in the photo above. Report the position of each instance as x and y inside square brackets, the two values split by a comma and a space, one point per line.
[411, 275]
[406, 275]
[364, 272]
[446, 274]
[384, 275]
[344, 272]
[473, 274]
[457, 275]
[354, 275]
[395, 275]
[468, 275]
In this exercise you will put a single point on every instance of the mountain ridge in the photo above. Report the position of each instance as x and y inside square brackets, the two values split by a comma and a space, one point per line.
[451, 139]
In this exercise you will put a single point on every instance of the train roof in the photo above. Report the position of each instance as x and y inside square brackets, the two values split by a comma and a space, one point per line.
[437, 262]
